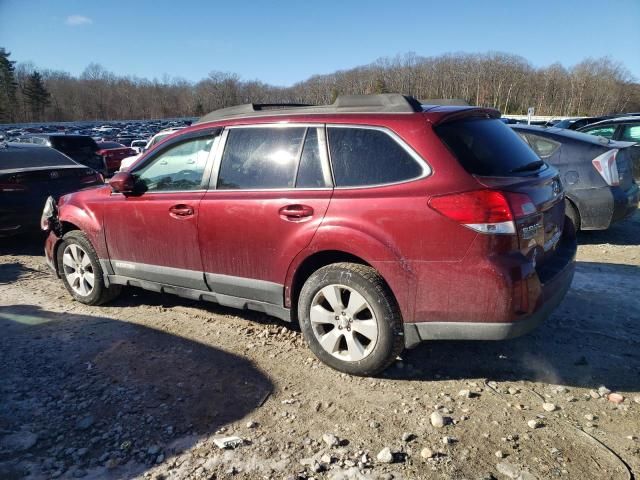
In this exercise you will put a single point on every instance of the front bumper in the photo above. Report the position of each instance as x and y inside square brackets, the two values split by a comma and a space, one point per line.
[50, 246]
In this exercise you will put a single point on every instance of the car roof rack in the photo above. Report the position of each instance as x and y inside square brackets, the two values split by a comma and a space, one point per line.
[377, 103]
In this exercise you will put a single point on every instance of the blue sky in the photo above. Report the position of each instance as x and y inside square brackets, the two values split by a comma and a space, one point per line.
[282, 42]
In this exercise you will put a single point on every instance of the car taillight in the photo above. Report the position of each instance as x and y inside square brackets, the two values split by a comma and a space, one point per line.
[606, 166]
[486, 211]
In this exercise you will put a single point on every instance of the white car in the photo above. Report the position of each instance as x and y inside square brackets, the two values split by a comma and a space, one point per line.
[161, 135]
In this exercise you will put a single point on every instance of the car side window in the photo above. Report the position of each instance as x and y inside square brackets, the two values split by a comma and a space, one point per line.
[310, 173]
[606, 132]
[631, 133]
[260, 158]
[544, 147]
[366, 156]
[178, 168]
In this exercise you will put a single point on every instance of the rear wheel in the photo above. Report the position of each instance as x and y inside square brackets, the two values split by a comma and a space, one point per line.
[81, 272]
[350, 319]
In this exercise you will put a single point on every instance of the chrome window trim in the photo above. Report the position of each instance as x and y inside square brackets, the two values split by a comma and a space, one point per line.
[206, 175]
[422, 162]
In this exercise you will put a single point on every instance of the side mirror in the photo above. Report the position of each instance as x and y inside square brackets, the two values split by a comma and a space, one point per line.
[122, 182]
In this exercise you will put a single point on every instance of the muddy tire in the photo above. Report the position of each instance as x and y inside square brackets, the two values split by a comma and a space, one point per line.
[350, 319]
[81, 272]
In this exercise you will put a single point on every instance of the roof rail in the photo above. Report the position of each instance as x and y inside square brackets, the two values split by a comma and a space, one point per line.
[378, 103]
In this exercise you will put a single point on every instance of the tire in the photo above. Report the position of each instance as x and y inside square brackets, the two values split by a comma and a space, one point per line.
[350, 319]
[78, 265]
[572, 214]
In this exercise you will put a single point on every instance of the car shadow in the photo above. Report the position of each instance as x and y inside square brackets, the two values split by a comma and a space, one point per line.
[114, 398]
[592, 339]
[625, 232]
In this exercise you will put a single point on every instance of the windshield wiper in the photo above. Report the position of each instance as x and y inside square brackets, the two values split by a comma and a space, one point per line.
[528, 166]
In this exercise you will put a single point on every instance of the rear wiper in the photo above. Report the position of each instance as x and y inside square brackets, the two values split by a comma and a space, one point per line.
[528, 166]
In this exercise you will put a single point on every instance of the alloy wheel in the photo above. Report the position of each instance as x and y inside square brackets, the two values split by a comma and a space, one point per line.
[343, 322]
[78, 269]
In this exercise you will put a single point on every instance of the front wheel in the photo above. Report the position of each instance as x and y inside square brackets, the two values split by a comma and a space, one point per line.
[350, 319]
[81, 272]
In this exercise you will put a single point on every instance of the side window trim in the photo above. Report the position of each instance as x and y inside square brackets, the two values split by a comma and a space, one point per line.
[324, 156]
[420, 161]
[213, 132]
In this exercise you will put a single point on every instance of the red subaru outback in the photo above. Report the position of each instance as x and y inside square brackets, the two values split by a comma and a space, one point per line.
[375, 222]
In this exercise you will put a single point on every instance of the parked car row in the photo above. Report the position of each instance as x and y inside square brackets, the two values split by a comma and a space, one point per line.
[81, 142]
[376, 222]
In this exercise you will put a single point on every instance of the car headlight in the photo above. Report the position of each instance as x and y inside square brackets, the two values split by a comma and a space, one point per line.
[48, 213]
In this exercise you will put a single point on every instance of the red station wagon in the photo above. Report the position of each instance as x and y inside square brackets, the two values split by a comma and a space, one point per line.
[375, 222]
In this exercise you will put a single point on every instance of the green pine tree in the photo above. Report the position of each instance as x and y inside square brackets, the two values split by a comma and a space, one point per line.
[8, 88]
[37, 95]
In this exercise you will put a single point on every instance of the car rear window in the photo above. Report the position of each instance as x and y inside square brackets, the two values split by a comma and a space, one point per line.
[70, 144]
[487, 147]
[29, 156]
[110, 145]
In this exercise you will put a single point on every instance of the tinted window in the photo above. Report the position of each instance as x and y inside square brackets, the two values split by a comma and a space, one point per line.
[310, 169]
[606, 132]
[631, 133]
[260, 158]
[180, 167]
[542, 146]
[110, 145]
[74, 144]
[362, 157]
[486, 146]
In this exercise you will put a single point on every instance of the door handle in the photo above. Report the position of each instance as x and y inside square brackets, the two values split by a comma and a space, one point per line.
[181, 211]
[295, 212]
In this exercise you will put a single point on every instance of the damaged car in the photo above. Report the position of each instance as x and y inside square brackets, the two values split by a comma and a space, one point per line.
[376, 223]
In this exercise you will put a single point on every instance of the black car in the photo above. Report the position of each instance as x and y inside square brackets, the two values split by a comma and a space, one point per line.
[28, 175]
[596, 172]
[578, 123]
[81, 148]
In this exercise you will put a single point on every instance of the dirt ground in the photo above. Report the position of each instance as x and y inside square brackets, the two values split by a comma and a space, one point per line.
[143, 386]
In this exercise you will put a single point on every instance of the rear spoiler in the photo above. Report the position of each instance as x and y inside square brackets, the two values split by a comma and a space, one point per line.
[439, 115]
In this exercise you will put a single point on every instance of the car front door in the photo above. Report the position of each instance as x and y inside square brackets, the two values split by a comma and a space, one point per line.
[268, 195]
[153, 234]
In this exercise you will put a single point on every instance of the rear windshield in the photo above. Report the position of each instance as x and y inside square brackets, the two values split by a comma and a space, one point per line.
[75, 143]
[110, 145]
[488, 147]
[16, 156]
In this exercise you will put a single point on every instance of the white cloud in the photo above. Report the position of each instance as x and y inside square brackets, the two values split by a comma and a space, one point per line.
[77, 20]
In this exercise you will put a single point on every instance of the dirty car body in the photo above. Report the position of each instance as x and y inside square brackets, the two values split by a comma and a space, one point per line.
[408, 213]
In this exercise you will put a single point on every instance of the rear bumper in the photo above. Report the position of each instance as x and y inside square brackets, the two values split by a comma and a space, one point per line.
[551, 282]
[599, 208]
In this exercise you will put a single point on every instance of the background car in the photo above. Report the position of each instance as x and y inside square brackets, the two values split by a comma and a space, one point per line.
[112, 154]
[81, 148]
[597, 174]
[28, 175]
[158, 137]
[625, 128]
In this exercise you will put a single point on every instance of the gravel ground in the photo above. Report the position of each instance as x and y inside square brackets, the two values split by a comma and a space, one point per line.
[143, 387]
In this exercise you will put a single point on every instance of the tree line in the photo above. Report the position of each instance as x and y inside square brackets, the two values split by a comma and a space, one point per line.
[507, 82]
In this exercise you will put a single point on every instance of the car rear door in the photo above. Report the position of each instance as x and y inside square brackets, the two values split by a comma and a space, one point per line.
[153, 234]
[269, 194]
